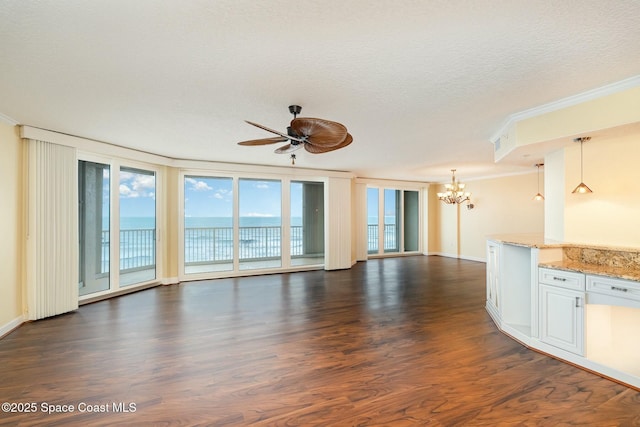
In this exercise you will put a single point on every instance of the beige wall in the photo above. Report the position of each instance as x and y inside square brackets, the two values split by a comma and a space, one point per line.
[170, 233]
[609, 215]
[606, 112]
[11, 189]
[502, 205]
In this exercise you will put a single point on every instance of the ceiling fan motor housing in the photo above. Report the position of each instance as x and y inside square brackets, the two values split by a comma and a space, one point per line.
[292, 133]
[295, 109]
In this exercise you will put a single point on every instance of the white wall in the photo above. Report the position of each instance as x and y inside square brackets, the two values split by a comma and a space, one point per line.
[11, 189]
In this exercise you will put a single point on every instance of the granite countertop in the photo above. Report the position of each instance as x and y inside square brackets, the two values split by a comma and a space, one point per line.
[610, 261]
[615, 272]
[533, 240]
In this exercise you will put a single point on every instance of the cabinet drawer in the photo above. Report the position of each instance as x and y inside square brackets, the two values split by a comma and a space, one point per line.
[623, 290]
[561, 278]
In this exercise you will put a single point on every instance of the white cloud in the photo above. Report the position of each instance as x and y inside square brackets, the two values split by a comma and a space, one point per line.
[125, 191]
[142, 183]
[259, 215]
[137, 185]
[198, 185]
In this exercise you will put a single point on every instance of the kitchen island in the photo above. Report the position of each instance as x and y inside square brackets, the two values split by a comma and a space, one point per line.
[578, 303]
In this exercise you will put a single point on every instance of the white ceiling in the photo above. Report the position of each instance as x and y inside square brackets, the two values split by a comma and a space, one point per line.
[421, 85]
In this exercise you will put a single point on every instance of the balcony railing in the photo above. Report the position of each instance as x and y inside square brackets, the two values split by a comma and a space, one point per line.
[390, 238]
[203, 245]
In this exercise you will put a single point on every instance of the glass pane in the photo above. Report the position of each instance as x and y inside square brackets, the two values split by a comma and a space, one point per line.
[391, 220]
[208, 224]
[372, 221]
[260, 224]
[137, 190]
[93, 227]
[307, 223]
[411, 221]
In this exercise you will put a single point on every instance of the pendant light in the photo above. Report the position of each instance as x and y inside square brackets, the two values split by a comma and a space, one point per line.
[582, 187]
[539, 196]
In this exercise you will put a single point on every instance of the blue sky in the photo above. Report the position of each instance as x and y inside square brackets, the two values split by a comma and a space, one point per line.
[137, 192]
[372, 203]
[207, 197]
[213, 197]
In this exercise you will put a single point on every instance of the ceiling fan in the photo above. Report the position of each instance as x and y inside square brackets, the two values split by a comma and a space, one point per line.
[315, 135]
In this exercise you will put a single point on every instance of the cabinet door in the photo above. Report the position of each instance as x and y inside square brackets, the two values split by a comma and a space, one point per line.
[562, 318]
[493, 275]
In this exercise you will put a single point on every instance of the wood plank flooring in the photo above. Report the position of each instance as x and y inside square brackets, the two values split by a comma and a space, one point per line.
[390, 342]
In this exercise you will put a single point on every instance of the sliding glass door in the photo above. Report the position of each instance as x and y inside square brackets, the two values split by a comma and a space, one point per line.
[208, 224]
[307, 223]
[117, 235]
[239, 224]
[373, 235]
[94, 226]
[393, 221]
[137, 191]
[260, 219]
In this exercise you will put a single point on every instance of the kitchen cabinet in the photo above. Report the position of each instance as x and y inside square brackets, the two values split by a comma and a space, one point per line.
[577, 303]
[562, 298]
[562, 318]
[493, 279]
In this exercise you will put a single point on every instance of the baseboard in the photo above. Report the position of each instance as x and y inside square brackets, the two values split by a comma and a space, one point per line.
[5, 329]
[170, 281]
[447, 255]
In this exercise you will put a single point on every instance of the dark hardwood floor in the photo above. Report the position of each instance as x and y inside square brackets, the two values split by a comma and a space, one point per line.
[390, 342]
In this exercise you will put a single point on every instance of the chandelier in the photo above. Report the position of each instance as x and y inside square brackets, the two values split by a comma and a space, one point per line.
[455, 192]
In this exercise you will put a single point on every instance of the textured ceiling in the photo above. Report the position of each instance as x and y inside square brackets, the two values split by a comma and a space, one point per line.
[421, 85]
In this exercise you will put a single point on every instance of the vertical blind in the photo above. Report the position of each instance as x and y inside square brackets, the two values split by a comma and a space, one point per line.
[52, 230]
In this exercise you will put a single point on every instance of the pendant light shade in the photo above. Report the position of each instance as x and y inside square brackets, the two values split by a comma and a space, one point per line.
[539, 196]
[582, 188]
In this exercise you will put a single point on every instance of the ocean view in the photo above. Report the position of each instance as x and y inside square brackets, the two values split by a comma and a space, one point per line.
[138, 223]
[210, 239]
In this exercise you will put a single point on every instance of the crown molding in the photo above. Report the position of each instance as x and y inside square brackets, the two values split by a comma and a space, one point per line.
[8, 120]
[566, 102]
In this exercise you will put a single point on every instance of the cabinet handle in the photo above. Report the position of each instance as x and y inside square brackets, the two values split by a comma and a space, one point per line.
[562, 279]
[615, 288]
[577, 301]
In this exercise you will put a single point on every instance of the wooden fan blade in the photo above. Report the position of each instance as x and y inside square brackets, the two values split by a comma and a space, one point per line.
[274, 131]
[264, 141]
[289, 148]
[318, 150]
[319, 132]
